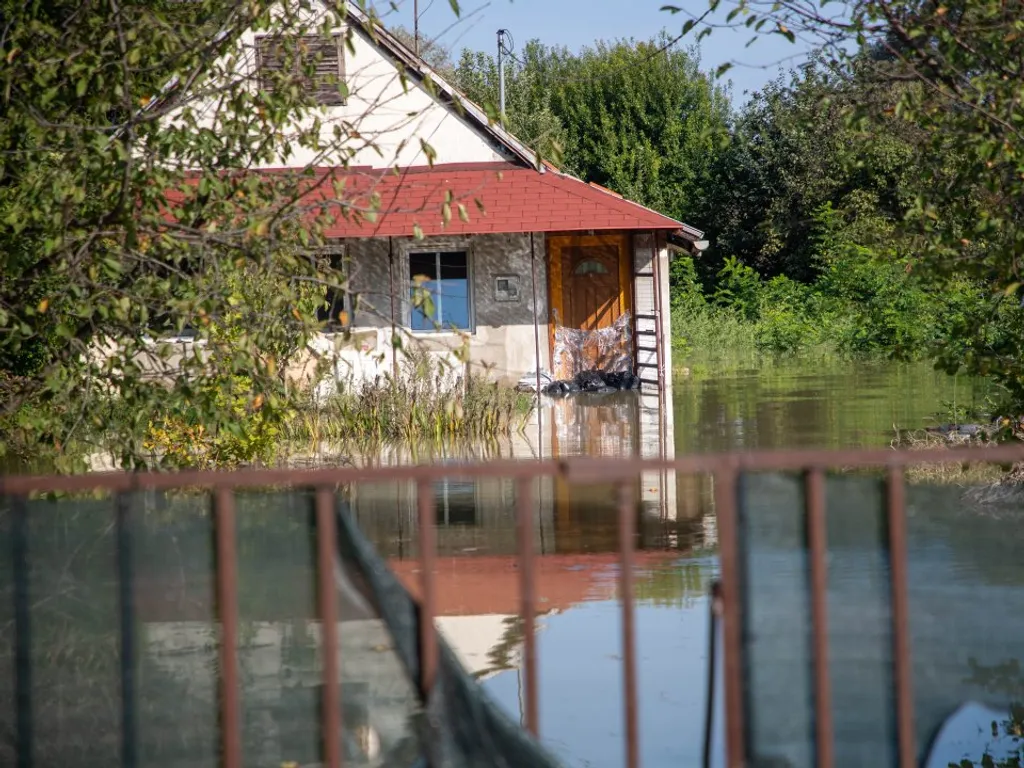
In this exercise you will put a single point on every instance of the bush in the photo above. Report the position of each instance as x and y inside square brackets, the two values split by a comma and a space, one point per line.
[185, 440]
[784, 316]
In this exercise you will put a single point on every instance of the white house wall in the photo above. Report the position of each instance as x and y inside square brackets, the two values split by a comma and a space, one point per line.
[658, 489]
[391, 116]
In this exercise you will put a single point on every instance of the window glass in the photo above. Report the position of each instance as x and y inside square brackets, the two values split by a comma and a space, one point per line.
[590, 267]
[456, 502]
[445, 278]
[336, 310]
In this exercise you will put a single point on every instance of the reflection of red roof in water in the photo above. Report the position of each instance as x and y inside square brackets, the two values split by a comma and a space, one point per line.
[471, 586]
[466, 586]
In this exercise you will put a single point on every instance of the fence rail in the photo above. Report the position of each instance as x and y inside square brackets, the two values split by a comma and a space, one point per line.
[623, 473]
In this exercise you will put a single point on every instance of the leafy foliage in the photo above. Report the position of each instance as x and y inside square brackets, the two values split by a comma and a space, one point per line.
[129, 216]
[907, 121]
[640, 118]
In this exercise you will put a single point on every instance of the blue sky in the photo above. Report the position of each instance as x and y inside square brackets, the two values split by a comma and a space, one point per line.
[576, 23]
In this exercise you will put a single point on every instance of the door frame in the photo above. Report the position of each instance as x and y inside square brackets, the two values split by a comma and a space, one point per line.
[555, 244]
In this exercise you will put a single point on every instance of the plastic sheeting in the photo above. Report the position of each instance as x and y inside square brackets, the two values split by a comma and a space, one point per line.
[609, 350]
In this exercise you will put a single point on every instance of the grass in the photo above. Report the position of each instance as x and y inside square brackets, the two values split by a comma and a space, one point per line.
[426, 401]
[975, 473]
[721, 339]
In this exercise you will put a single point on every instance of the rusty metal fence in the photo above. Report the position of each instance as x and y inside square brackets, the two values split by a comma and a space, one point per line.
[725, 470]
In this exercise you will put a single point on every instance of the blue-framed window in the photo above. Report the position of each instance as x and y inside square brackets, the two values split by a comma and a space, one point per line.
[444, 277]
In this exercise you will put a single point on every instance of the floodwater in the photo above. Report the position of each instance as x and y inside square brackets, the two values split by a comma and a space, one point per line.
[966, 581]
[752, 405]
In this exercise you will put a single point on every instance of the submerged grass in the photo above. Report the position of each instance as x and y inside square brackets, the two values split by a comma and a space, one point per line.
[980, 472]
[426, 400]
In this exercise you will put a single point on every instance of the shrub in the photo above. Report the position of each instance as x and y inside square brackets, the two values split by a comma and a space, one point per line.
[185, 440]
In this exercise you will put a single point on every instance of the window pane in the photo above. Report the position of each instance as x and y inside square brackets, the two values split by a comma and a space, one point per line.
[455, 303]
[454, 266]
[456, 503]
[423, 264]
[332, 307]
[446, 277]
[421, 321]
[454, 290]
[590, 267]
[423, 276]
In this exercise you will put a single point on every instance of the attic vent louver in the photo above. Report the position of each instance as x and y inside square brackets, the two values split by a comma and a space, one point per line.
[325, 53]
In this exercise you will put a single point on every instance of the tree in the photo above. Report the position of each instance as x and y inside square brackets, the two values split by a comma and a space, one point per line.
[793, 150]
[128, 212]
[951, 74]
[528, 92]
[432, 51]
[639, 118]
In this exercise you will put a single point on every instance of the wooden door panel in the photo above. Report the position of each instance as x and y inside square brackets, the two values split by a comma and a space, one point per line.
[589, 288]
[592, 291]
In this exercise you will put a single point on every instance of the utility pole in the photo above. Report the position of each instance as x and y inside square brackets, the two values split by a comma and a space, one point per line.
[501, 73]
[416, 27]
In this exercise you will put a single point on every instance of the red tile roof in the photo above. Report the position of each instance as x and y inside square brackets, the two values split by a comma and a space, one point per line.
[497, 198]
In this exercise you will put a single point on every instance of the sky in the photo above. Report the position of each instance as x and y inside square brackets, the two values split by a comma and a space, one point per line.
[578, 23]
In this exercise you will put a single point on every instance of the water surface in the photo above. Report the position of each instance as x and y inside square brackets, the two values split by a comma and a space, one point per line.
[752, 405]
[965, 568]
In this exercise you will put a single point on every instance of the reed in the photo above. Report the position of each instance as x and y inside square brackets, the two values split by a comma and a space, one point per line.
[426, 400]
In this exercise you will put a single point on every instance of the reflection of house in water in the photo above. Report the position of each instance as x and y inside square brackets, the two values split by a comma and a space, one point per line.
[280, 651]
[479, 515]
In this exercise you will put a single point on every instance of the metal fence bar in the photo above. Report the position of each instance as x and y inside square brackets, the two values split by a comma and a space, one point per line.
[576, 469]
[126, 609]
[714, 616]
[726, 481]
[895, 508]
[527, 595]
[817, 541]
[726, 469]
[427, 505]
[326, 548]
[627, 531]
[227, 608]
[22, 633]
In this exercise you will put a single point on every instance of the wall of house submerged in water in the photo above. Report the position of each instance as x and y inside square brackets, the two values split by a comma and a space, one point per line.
[482, 289]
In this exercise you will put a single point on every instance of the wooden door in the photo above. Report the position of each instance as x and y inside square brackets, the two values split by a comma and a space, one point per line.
[589, 278]
[589, 282]
[591, 286]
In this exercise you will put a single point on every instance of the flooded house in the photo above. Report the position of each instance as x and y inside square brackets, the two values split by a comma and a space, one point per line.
[508, 247]
[457, 239]
[528, 270]
[436, 199]
[449, 230]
